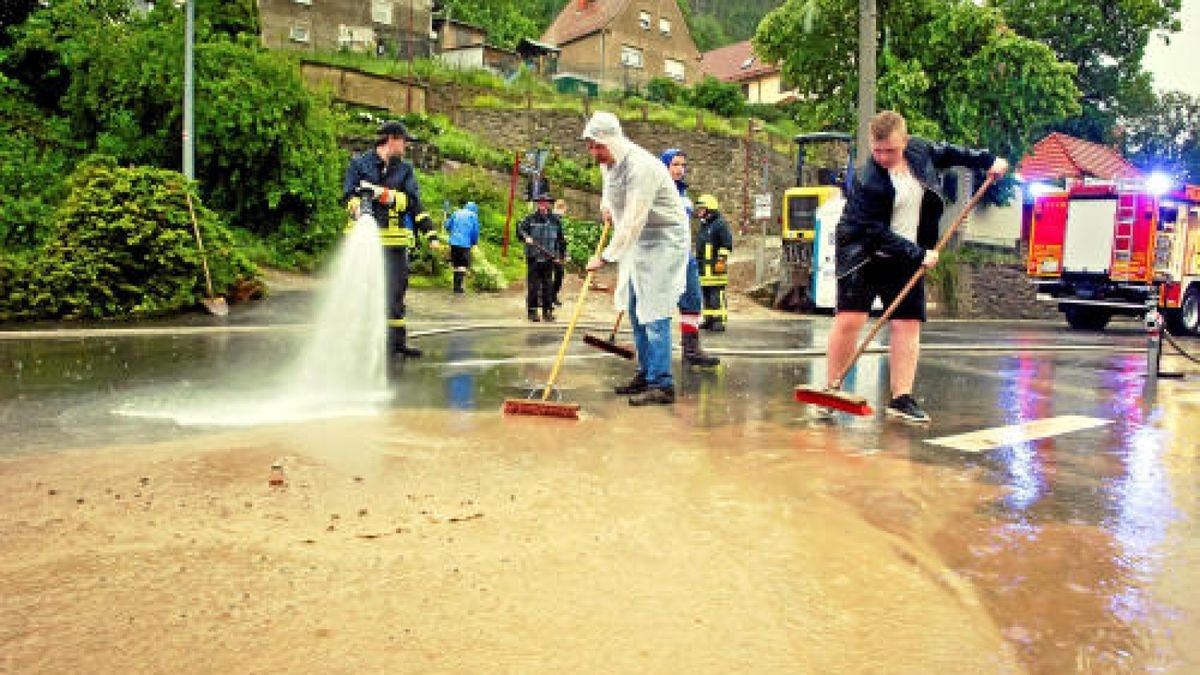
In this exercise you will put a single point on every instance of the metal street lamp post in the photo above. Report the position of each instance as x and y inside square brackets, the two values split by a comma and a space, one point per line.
[189, 168]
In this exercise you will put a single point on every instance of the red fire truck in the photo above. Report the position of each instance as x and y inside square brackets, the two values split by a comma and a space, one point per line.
[1106, 250]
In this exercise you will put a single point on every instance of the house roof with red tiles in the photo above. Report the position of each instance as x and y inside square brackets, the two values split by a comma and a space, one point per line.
[735, 63]
[581, 18]
[1061, 156]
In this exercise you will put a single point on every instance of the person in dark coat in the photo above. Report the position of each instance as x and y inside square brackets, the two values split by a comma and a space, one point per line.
[542, 233]
[887, 232]
[381, 183]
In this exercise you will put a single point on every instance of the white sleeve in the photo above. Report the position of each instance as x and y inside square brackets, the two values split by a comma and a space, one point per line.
[627, 228]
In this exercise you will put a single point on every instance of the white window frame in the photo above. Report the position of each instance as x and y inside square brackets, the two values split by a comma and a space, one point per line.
[680, 71]
[632, 57]
[664, 26]
[381, 12]
[303, 2]
[299, 33]
[644, 19]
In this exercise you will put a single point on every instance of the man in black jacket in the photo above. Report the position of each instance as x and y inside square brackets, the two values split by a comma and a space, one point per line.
[887, 232]
[545, 247]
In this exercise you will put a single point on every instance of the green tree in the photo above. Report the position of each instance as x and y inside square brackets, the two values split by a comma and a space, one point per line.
[1167, 136]
[954, 69]
[1106, 41]
[265, 146]
[506, 21]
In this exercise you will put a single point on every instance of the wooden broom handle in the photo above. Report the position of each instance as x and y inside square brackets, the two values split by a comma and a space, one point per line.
[562, 350]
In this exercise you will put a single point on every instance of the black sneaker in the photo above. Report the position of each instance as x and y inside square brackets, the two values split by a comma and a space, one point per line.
[906, 408]
[654, 396]
[635, 386]
[533, 315]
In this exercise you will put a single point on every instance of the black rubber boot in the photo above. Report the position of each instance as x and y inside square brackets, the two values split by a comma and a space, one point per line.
[693, 355]
[533, 315]
[654, 396]
[547, 315]
[402, 347]
[635, 386]
[458, 282]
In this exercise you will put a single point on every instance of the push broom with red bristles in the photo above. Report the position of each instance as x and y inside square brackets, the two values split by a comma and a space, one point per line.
[610, 345]
[544, 407]
[832, 396]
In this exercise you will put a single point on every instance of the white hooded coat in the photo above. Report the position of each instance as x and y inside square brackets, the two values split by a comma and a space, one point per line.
[650, 235]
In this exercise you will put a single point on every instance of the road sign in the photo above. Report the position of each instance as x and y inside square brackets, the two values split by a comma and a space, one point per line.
[762, 206]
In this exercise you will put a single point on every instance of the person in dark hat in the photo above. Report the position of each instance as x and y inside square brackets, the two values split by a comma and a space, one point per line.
[545, 247]
[381, 183]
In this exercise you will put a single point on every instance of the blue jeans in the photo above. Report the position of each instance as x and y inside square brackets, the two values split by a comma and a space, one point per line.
[691, 302]
[653, 343]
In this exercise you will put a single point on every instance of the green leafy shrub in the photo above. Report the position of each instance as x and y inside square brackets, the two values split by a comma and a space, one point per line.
[723, 98]
[664, 90]
[32, 165]
[582, 237]
[122, 246]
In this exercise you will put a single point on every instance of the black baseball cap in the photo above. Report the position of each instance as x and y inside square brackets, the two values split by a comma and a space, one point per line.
[395, 128]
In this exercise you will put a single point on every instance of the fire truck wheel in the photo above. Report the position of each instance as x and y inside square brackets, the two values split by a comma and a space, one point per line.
[1186, 319]
[1082, 317]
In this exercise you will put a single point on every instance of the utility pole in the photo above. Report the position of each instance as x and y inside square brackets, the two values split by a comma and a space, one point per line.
[189, 36]
[867, 17]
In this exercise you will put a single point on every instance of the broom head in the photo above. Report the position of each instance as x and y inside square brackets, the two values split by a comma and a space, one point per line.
[536, 408]
[609, 346]
[832, 398]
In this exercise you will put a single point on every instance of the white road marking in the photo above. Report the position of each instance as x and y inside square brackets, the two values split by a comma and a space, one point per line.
[989, 439]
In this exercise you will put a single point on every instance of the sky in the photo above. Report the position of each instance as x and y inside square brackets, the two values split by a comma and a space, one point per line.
[1174, 67]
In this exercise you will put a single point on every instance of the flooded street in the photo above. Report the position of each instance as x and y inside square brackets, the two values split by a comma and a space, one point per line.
[1048, 521]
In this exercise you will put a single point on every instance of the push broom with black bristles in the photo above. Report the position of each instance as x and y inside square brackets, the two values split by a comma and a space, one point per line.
[610, 345]
[832, 396]
[544, 407]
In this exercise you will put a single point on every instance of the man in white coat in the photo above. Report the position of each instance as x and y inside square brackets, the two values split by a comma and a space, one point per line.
[650, 244]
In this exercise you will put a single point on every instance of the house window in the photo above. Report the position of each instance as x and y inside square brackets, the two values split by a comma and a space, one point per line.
[302, 2]
[631, 57]
[381, 11]
[674, 69]
[644, 20]
[299, 34]
[664, 26]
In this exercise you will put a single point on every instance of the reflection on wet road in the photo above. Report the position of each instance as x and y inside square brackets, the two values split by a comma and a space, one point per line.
[1081, 550]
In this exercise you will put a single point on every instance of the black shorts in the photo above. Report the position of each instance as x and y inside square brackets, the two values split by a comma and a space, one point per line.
[460, 256]
[882, 278]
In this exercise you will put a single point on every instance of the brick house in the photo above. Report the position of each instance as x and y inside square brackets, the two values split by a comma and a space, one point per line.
[624, 43]
[761, 82]
[398, 28]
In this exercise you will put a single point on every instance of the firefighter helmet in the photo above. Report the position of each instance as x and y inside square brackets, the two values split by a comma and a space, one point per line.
[707, 201]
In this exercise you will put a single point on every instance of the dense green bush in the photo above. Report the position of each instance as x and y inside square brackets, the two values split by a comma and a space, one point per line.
[723, 98]
[664, 90]
[33, 161]
[121, 246]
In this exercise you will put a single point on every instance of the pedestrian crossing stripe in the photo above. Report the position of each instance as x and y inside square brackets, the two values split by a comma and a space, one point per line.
[990, 439]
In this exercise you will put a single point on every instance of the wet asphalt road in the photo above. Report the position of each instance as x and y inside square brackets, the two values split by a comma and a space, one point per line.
[1108, 512]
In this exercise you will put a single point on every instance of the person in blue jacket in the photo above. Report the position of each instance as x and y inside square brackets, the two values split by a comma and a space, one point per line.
[691, 302]
[463, 227]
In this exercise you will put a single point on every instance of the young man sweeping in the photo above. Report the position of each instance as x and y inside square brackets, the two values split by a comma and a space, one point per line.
[889, 230]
